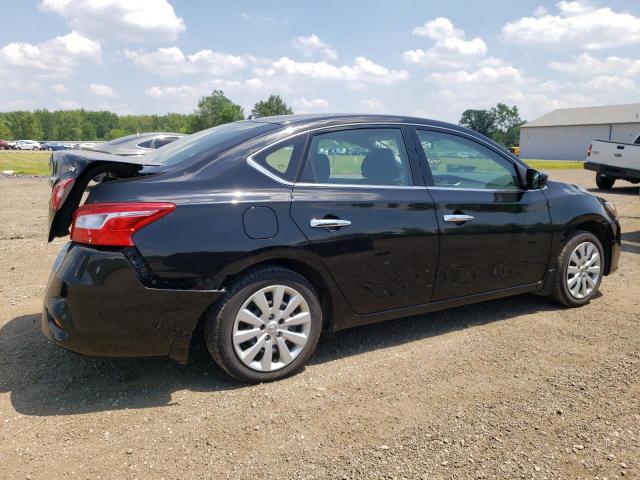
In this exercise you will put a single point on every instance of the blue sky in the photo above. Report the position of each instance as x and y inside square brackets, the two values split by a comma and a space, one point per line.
[423, 58]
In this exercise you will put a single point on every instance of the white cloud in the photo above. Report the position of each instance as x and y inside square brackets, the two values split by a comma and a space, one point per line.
[55, 58]
[102, 90]
[125, 20]
[450, 93]
[577, 24]
[312, 46]
[362, 70]
[198, 89]
[59, 88]
[163, 61]
[586, 65]
[216, 63]
[172, 62]
[254, 84]
[373, 104]
[302, 105]
[450, 49]
[603, 82]
[172, 91]
[540, 11]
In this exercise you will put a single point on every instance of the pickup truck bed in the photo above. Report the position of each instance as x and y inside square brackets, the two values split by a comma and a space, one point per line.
[614, 161]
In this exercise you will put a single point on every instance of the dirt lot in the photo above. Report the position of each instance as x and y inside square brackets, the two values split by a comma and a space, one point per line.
[515, 388]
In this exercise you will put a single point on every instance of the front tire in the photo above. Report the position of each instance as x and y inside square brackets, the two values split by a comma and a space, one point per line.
[579, 270]
[603, 182]
[266, 327]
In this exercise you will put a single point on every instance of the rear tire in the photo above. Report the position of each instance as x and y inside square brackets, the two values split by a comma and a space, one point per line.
[266, 326]
[579, 270]
[604, 182]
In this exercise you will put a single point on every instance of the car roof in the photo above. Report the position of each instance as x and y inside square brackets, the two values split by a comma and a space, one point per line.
[328, 119]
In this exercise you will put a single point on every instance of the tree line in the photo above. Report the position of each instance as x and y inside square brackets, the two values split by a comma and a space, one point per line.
[80, 124]
[501, 123]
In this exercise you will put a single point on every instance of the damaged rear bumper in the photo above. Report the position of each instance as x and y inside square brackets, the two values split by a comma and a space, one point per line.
[96, 305]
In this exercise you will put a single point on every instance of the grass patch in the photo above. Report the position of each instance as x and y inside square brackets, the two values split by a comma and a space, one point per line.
[555, 164]
[28, 163]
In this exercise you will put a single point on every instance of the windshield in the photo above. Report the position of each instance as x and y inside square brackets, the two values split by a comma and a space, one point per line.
[210, 142]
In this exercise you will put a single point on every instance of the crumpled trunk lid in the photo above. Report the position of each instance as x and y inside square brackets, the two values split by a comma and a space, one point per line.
[71, 172]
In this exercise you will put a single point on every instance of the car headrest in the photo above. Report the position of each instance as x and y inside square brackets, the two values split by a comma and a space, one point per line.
[380, 166]
[321, 168]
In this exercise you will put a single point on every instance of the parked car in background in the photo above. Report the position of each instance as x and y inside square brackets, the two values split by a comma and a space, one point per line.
[614, 161]
[4, 145]
[252, 233]
[139, 144]
[85, 146]
[13, 144]
[54, 146]
[515, 150]
[28, 145]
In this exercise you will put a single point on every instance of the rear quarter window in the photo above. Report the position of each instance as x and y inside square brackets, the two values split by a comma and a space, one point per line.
[282, 159]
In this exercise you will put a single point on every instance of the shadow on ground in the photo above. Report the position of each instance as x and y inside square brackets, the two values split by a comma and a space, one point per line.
[43, 379]
[625, 190]
[631, 242]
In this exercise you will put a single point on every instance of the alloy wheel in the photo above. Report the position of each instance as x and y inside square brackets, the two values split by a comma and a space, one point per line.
[271, 328]
[583, 270]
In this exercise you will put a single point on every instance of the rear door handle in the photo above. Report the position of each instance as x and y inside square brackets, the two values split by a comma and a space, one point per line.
[328, 223]
[457, 218]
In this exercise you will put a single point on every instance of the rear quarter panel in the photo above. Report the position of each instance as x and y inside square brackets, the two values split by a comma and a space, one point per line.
[205, 238]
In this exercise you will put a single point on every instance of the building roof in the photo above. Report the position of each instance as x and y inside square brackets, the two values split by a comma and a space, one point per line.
[603, 115]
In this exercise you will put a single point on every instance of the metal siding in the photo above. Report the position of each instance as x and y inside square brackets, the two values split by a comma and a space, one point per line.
[615, 114]
[559, 143]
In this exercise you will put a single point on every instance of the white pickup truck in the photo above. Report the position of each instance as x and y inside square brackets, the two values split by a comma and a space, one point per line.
[614, 160]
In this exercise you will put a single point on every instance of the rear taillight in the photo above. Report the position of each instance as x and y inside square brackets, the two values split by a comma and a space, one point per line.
[114, 224]
[59, 191]
[589, 150]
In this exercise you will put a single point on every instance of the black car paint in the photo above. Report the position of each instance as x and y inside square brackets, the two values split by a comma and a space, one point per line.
[397, 258]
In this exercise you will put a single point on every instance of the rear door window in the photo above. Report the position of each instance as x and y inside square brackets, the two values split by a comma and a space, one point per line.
[358, 156]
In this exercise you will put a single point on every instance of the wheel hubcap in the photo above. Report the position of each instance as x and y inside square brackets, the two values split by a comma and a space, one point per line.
[271, 328]
[583, 271]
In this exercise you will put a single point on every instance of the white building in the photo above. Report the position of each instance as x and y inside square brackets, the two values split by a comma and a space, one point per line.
[564, 134]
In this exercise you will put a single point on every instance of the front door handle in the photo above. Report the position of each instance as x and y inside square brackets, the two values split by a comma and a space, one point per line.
[328, 223]
[457, 218]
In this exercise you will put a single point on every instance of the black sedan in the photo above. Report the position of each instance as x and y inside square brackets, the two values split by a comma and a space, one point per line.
[263, 235]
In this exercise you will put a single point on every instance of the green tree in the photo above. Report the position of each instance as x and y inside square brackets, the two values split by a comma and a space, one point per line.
[114, 133]
[103, 122]
[69, 125]
[274, 105]
[88, 131]
[47, 122]
[507, 121]
[175, 122]
[213, 110]
[482, 121]
[24, 126]
[5, 131]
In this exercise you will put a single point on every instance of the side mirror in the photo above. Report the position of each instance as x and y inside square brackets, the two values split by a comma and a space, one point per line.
[536, 179]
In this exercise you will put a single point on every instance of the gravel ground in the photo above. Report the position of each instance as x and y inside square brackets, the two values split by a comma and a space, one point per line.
[513, 388]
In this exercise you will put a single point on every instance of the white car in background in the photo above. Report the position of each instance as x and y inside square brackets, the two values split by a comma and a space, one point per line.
[28, 145]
